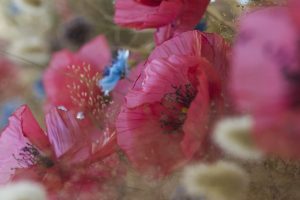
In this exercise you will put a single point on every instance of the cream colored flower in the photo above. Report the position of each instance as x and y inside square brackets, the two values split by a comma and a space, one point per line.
[233, 135]
[25, 17]
[34, 16]
[23, 191]
[218, 181]
[32, 50]
[7, 28]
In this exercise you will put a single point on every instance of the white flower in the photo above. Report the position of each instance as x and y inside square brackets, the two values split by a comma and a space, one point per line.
[219, 181]
[32, 50]
[25, 17]
[7, 29]
[233, 135]
[34, 15]
[23, 191]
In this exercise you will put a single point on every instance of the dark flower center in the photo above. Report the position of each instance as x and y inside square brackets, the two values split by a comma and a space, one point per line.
[293, 79]
[77, 31]
[29, 155]
[150, 2]
[291, 73]
[175, 106]
[35, 3]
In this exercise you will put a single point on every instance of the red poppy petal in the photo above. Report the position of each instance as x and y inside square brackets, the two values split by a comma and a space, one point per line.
[32, 130]
[63, 130]
[191, 14]
[21, 131]
[195, 43]
[55, 79]
[61, 58]
[12, 141]
[189, 17]
[294, 6]
[124, 85]
[129, 13]
[96, 52]
[161, 75]
[196, 123]
[164, 33]
[144, 141]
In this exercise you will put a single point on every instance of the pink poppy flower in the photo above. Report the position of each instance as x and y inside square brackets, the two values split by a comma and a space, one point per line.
[84, 83]
[265, 78]
[171, 17]
[62, 160]
[71, 79]
[165, 120]
[294, 6]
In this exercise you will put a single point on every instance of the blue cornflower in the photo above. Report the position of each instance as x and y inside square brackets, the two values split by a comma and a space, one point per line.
[115, 72]
[39, 89]
[202, 25]
[13, 8]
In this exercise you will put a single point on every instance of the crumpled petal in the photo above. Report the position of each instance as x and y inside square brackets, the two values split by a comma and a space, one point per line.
[191, 13]
[22, 131]
[63, 130]
[96, 52]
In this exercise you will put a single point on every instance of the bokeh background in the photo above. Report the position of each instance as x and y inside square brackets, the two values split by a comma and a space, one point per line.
[32, 30]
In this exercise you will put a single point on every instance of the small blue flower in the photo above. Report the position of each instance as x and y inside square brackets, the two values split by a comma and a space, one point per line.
[202, 25]
[14, 9]
[39, 89]
[115, 72]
